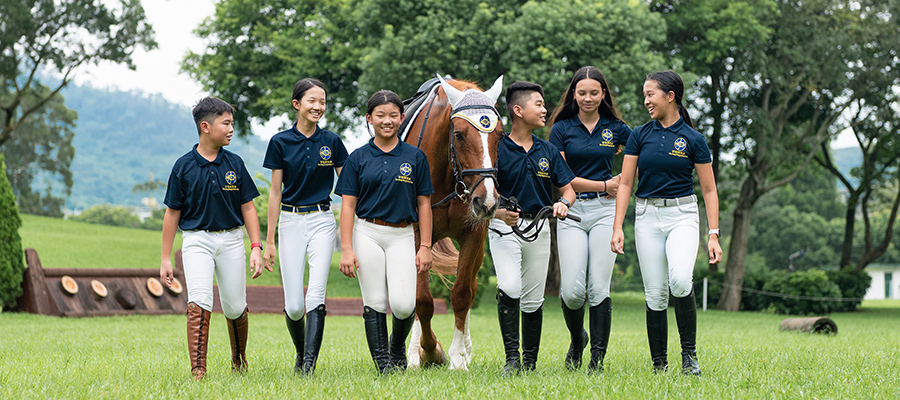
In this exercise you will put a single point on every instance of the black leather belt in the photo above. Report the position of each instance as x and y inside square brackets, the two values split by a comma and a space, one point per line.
[589, 195]
[305, 209]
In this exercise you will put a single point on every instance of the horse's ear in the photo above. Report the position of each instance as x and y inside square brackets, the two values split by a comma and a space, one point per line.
[494, 92]
[453, 94]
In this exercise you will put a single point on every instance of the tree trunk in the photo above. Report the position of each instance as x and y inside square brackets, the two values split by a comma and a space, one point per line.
[737, 252]
[849, 224]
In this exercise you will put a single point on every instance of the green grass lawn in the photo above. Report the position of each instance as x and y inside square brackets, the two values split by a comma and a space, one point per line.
[69, 244]
[743, 355]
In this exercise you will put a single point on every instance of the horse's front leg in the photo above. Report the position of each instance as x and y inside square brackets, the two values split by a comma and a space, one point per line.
[471, 254]
[424, 349]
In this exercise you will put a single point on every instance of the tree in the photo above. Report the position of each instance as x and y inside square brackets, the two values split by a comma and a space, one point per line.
[58, 36]
[12, 266]
[782, 115]
[150, 186]
[874, 122]
[716, 40]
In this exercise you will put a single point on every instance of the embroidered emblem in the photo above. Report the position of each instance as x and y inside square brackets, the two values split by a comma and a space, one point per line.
[325, 153]
[680, 144]
[544, 164]
[230, 177]
[405, 169]
[485, 122]
[607, 135]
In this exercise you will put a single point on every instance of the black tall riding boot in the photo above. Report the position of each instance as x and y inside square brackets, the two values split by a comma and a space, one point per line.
[531, 337]
[686, 317]
[508, 314]
[658, 333]
[578, 337]
[297, 331]
[399, 332]
[377, 337]
[601, 320]
[315, 327]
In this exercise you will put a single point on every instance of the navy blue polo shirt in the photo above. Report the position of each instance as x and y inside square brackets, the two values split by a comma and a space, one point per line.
[307, 163]
[386, 184]
[530, 176]
[209, 193]
[590, 154]
[666, 158]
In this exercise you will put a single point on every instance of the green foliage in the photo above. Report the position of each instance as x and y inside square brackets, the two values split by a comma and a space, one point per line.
[155, 221]
[108, 214]
[56, 36]
[853, 284]
[262, 204]
[791, 232]
[12, 265]
[814, 288]
[753, 279]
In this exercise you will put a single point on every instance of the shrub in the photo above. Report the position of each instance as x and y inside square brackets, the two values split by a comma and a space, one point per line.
[12, 265]
[155, 221]
[108, 215]
[853, 284]
[811, 283]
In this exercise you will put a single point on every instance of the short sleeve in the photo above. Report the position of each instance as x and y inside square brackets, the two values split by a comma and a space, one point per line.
[700, 151]
[348, 182]
[633, 145]
[624, 134]
[340, 152]
[248, 187]
[562, 174]
[274, 155]
[423, 175]
[556, 137]
[174, 191]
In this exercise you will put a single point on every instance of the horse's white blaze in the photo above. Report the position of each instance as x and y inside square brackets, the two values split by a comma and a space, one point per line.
[415, 343]
[459, 359]
[489, 199]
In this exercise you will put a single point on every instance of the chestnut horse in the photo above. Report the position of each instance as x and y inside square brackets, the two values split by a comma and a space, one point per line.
[459, 130]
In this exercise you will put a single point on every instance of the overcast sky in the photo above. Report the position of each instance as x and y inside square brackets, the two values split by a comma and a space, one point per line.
[157, 70]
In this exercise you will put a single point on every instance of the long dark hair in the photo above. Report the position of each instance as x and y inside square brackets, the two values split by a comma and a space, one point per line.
[568, 108]
[384, 97]
[669, 81]
[305, 84]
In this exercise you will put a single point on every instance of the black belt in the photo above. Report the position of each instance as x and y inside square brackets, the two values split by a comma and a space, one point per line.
[305, 209]
[216, 230]
[589, 195]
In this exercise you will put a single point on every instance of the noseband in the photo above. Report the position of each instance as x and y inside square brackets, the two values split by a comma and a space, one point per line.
[460, 189]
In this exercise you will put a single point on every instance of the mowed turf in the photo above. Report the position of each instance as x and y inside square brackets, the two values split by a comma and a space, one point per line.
[743, 355]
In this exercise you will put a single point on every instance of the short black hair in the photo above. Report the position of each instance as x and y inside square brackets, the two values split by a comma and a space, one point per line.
[517, 92]
[305, 84]
[208, 109]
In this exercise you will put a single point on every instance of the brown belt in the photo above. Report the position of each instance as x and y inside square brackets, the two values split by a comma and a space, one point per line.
[377, 221]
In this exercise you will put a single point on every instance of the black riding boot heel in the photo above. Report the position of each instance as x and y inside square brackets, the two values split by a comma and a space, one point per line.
[508, 314]
[578, 337]
[658, 333]
[686, 317]
[600, 321]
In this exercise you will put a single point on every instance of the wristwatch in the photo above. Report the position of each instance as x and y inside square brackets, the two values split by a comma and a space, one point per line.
[714, 232]
[564, 201]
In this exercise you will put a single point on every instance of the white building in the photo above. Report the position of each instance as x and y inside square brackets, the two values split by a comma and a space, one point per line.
[885, 282]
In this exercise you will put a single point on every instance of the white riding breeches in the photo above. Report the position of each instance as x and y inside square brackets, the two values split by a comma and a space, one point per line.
[521, 266]
[387, 264]
[221, 255]
[585, 261]
[300, 235]
[667, 240]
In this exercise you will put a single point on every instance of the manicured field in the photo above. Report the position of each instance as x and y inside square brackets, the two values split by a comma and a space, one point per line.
[743, 355]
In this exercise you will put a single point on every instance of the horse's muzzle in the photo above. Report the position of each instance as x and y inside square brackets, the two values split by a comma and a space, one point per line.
[480, 210]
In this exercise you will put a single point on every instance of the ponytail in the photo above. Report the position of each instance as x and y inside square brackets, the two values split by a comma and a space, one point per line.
[684, 115]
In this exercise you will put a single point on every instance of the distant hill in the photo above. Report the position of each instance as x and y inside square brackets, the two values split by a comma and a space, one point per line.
[846, 159]
[122, 137]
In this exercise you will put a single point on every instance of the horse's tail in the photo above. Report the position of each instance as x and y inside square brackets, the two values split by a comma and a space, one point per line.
[444, 257]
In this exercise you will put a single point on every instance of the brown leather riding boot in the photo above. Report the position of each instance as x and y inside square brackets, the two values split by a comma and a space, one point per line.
[237, 332]
[197, 339]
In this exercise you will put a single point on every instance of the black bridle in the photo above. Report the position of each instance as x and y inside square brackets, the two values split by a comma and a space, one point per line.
[460, 189]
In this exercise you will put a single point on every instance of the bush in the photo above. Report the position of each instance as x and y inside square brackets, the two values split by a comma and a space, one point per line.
[811, 283]
[12, 265]
[749, 301]
[854, 284]
[155, 221]
[108, 215]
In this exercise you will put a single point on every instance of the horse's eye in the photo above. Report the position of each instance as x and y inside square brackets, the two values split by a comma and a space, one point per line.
[459, 136]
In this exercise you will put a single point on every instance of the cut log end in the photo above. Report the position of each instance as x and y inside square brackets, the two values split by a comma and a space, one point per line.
[810, 325]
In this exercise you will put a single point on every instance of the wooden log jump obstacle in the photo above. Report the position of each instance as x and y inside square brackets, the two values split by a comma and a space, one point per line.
[810, 325]
[86, 292]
